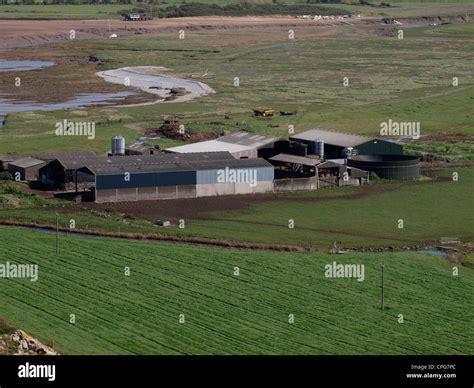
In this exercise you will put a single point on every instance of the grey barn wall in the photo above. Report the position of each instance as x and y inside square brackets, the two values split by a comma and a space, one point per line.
[264, 174]
[187, 184]
[149, 179]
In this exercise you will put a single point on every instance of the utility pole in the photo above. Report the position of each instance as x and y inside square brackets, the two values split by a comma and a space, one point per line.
[382, 299]
[57, 232]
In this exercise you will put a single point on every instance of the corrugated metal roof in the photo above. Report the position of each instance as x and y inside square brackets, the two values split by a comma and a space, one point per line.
[233, 164]
[139, 169]
[288, 158]
[208, 146]
[65, 155]
[26, 162]
[330, 137]
[141, 160]
[235, 142]
[182, 164]
[248, 139]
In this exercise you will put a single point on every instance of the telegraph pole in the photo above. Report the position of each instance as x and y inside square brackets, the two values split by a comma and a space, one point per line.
[382, 296]
[57, 232]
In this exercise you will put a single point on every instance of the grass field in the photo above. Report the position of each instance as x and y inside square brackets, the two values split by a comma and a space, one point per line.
[227, 314]
[367, 221]
[403, 80]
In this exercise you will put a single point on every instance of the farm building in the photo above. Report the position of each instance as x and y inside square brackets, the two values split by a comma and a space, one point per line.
[61, 172]
[5, 160]
[136, 16]
[176, 176]
[336, 145]
[240, 145]
[293, 172]
[27, 168]
[332, 174]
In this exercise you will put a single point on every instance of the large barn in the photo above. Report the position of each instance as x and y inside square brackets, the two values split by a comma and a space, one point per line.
[183, 176]
[164, 176]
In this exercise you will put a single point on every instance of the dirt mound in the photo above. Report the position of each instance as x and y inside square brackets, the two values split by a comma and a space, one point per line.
[173, 131]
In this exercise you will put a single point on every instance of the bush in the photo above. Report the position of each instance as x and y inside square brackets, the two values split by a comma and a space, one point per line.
[6, 176]
[374, 177]
[247, 8]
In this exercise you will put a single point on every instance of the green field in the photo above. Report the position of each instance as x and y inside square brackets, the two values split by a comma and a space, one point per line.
[403, 80]
[399, 8]
[227, 314]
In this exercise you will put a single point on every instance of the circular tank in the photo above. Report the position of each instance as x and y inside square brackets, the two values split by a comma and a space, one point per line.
[400, 167]
[118, 145]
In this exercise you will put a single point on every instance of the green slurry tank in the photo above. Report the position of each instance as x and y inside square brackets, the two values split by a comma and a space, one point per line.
[399, 167]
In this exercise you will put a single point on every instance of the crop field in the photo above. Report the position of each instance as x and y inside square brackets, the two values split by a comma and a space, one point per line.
[228, 314]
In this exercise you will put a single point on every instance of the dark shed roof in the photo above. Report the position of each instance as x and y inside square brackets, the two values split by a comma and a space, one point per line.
[295, 159]
[192, 163]
[26, 162]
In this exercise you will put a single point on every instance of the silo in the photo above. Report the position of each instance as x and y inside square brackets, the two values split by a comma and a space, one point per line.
[319, 148]
[118, 145]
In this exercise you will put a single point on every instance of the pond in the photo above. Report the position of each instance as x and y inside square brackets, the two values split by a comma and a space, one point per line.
[9, 104]
[22, 65]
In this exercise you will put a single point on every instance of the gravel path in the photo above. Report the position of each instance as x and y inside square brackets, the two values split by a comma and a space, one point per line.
[140, 77]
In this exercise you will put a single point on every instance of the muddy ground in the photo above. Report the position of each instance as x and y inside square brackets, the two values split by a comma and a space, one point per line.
[76, 74]
[27, 33]
[206, 208]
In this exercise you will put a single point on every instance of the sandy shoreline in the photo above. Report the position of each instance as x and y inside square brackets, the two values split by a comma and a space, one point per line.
[143, 78]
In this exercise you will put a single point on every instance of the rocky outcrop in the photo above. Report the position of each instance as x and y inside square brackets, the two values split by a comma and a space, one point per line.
[27, 345]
